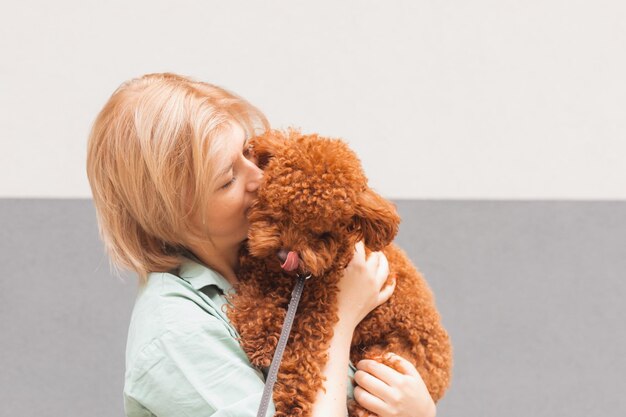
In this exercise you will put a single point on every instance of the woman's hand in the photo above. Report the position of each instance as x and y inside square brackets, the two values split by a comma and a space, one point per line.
[389, 393]
[360, 288]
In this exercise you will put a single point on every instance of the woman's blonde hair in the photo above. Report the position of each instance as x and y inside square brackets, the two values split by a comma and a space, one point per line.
[151, 158]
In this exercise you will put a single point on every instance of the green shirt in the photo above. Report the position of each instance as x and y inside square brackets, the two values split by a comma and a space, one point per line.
[182, 356]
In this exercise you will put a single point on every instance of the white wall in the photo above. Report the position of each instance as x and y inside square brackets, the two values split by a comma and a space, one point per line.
[441, 99]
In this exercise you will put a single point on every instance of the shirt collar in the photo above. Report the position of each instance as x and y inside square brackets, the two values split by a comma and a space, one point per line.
[200, 276]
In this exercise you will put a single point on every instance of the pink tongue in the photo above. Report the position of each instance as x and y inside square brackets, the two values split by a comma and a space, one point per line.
[291, 262]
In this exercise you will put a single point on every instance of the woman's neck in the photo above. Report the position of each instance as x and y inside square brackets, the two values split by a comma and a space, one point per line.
[224, 260]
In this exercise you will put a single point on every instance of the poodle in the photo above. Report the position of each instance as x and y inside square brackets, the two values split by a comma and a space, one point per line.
[313, 206]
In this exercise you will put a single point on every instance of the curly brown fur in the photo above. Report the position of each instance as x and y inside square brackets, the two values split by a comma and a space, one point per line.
[315, 201]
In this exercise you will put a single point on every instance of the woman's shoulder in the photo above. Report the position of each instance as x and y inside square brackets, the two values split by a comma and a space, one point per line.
[160, 297]
[170, 303]
[179, 343]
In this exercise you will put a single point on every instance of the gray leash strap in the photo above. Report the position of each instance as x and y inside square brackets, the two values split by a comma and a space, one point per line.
[280, 348]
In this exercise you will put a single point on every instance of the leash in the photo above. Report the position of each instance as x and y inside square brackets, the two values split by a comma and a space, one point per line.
[282, 343]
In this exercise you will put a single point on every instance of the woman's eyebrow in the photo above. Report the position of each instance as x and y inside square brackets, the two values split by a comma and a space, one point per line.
[225, 171]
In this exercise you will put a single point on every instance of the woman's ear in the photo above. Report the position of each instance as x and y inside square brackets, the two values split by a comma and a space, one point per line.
[377, 220]
[265, 146]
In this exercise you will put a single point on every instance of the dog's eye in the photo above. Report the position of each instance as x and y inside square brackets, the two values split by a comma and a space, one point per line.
[352, 227]
[248, 152]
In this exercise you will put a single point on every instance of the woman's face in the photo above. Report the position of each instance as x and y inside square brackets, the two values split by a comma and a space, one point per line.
[237, 181]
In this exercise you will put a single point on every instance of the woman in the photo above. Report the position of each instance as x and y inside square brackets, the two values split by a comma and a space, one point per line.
[172, 179]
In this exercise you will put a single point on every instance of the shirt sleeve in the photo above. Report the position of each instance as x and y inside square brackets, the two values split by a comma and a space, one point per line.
[193, 372]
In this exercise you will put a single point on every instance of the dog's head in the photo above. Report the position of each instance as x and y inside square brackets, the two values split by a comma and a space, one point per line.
[314, 204]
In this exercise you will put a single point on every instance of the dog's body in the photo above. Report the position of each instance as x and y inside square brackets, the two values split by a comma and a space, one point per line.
[315, 202]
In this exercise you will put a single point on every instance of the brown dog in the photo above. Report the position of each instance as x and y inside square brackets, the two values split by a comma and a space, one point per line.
[313, 206]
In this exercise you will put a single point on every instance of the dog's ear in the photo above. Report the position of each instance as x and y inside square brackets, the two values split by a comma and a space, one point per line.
[265, 146]
[377, 220]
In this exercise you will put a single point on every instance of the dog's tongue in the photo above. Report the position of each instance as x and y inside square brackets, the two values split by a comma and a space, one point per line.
[291, 262]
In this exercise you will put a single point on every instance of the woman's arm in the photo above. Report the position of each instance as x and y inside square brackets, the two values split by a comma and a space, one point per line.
[381, 389]
[359, 293]
[333, 401]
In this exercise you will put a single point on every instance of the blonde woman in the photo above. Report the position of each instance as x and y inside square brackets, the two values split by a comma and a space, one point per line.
[172, 179]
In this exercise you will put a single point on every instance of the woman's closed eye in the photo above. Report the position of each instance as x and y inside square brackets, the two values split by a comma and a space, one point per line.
[248, 153]
[229, 183]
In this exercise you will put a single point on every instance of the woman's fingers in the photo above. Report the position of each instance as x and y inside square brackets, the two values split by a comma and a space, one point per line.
[369, 401]
[382, 274]
[402, 393]
[363, 284]
[383, 267]
[386, 374]
[404, 365]
[386, 293]
[373, 261]
[371, 384]
[377, 261]
[360, 249]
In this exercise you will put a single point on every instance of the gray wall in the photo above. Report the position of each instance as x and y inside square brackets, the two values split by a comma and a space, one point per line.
[532, 294]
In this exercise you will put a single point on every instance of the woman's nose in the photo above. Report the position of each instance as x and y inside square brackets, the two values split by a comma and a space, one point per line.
[255, 177]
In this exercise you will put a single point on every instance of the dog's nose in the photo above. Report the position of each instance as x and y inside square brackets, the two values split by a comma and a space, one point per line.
[282, 255]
